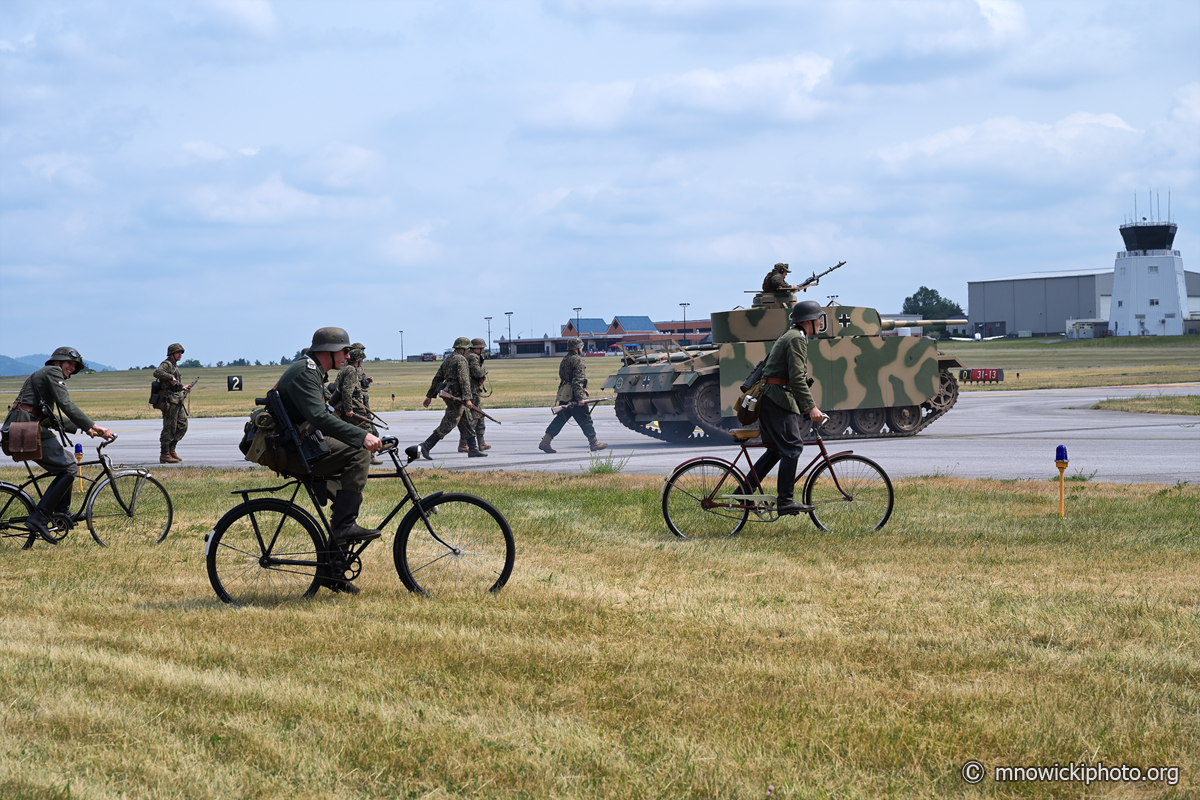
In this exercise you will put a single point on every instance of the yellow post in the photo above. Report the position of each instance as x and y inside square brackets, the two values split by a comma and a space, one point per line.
[1060, 461]
[79, 460]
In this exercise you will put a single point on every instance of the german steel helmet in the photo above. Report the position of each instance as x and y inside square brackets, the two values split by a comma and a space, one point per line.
[477, 342]
[782, 267]
[357, 354]
[329, 340]
[574, 343]
[462, 343]
[805, 310]
[66, 354]
[174, 348]
[359, 346]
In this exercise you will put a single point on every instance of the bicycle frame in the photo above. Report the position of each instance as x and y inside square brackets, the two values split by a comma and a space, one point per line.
[105, 463]
[755, 505]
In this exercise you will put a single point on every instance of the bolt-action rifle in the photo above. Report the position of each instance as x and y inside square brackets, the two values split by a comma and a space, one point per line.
[577, 404]
[335, 400]
[812, 280]
[447, 396]
[187, 394]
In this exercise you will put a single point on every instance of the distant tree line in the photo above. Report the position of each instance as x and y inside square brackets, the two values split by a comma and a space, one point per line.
[931, 305]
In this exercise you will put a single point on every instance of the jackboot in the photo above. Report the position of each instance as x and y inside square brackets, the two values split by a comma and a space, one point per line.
[343, 519]
[482, 445]
[175, 456]
[473, 450]
[545, 445]
[463, 445]
[595, 444]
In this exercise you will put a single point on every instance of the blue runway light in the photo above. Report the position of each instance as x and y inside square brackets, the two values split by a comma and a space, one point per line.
[1061, 453]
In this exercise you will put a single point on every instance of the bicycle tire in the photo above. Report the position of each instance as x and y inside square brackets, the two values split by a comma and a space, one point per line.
[244, 543]
[131, 507]
[475, 554]
[870, 489]
[685, 492]
[15, 507]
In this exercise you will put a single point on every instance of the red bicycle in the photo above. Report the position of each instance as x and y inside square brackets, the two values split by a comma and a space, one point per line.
[711, 498]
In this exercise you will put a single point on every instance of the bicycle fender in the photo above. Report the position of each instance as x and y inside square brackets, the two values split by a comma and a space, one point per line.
[430, 499]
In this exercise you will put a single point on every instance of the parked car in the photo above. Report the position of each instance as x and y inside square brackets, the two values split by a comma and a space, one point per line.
[428, 357]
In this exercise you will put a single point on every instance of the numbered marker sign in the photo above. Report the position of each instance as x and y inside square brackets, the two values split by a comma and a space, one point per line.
[235, 382]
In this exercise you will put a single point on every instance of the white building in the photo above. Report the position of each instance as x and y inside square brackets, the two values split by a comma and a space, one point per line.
[1149, 284]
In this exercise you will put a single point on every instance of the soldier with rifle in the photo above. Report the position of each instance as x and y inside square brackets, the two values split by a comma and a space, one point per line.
[349, 398]
[44, 392]
[478, 375]
[171, 394]
[453, 384]
[572, 392]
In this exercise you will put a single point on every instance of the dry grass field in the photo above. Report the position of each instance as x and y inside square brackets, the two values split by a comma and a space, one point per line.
[620, 662]
[528, 383]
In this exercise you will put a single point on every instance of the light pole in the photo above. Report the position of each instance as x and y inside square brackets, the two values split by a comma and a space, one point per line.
[685, 330]
[489, 347]
[576, 309]
[510, 344]
[401, 345]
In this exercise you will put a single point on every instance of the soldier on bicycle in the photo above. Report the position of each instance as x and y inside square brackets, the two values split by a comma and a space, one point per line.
[43, 391]
[786, 401]
[350, 447]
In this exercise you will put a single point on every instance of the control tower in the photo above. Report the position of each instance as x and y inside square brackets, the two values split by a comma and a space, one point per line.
[1149, 294]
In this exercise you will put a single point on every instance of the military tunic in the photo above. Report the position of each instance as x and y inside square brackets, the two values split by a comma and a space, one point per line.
[572, 387]
[776, 282]
[349, 383]
[170, 402]
[454, 376]
[301, 388]
[49, 384]
[789, 359]
[780, 417]
[478, 375]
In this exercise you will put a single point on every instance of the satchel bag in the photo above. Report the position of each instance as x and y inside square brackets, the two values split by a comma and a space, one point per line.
[747, 406]
[22, 441]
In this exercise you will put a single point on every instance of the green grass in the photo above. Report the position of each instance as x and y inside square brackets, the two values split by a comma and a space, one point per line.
[621, 662]
[1154, 404]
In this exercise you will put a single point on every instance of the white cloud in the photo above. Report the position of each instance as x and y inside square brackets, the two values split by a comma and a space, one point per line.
[778, 88]
[252, 16]
[414, 245]
[345, 166]
[206, 150]
[26, 42]
[1004, 17]
[268, 202]
[62, 168]
[249, 151]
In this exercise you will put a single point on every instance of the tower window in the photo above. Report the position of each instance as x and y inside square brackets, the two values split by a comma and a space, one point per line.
[1153, 301]
[1153, 269]
[1120, 303]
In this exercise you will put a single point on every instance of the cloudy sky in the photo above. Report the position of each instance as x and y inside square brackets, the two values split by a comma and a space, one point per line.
[233, 174]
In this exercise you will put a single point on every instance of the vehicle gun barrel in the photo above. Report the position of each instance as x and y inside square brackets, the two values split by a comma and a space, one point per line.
[893, 324]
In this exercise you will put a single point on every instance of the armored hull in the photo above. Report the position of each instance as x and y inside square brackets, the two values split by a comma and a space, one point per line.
[870, 384]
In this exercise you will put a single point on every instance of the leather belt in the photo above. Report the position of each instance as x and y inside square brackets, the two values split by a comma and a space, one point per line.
[36, 412]
[779, 381]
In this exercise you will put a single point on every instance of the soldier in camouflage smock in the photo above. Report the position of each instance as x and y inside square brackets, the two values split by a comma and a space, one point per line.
[352, 402]
[478, 376]
[453, 377]
[777, 281]
[49, 385]
[171, 394]
[572, 388]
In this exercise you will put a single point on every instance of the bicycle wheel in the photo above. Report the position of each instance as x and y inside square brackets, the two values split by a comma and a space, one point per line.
[129, 508]
[14, 508]
[264, 552]
[692, 501]
[863, 502]
[467, 547]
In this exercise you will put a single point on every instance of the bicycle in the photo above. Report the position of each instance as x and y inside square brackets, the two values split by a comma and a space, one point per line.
[709, 497]
[120, 506]
[268, 551]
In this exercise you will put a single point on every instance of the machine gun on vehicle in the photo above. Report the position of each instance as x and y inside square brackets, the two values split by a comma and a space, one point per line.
[577, 404]
[812, 279]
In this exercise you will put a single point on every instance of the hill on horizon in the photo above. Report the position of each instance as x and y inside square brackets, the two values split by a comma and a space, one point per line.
[25, 365]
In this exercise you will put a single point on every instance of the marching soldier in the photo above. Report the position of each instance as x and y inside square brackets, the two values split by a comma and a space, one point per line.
[478, 375]
[786, 401]
[171, 394]
[454, 377]
[352, 383]
[572, 388]
[776, 280]
[49, 386]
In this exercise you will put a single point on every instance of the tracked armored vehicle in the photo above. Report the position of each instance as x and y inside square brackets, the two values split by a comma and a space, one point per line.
[871, 385]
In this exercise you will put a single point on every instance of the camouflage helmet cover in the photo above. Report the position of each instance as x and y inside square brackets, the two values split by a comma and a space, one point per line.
[174, 348]
[574, 343]
[329, 340]
[357, 354]
[806, 310]
[359, 346]
[462, 343]
[782, 267]
[477, 342]
[66, 354]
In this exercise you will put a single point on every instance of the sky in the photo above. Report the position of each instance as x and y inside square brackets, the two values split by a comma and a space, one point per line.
[234, 174]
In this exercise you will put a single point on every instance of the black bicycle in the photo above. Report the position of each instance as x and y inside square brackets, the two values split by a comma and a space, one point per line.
[120, 505]
[270, 550]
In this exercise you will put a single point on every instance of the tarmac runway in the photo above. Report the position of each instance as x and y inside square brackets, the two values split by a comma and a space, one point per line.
[1011, 434]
